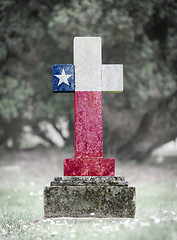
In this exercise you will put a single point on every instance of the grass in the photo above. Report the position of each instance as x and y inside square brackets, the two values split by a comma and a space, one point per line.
[21, 202]
[21, 216]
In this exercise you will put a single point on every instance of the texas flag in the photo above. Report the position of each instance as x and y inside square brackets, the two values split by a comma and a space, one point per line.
[87, 73]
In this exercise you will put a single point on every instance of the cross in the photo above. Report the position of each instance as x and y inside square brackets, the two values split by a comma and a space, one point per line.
[88, 78]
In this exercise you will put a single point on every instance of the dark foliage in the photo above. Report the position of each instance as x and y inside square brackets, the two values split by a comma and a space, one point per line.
[140, 34]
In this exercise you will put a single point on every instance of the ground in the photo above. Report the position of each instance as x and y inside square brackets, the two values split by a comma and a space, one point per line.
[24, 174]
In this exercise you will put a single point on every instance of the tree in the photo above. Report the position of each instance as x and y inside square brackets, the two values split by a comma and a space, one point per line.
[141, 35]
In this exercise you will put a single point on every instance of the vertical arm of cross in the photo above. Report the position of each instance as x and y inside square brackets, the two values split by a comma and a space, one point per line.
[88, 98]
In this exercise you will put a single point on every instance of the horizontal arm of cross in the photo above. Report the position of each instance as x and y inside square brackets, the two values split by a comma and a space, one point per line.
[87, 73]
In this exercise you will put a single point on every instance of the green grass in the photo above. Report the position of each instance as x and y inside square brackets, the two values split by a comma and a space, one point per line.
[21, 216]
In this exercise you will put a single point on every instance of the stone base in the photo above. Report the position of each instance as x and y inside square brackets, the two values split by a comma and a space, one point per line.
[89, 197]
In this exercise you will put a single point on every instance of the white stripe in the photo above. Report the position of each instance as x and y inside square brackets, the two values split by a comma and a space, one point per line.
[87, 61]
[112, 77]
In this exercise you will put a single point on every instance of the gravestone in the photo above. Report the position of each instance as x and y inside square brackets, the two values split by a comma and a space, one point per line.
[89, 187]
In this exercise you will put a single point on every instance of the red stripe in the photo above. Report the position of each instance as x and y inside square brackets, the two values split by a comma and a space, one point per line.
[88, 138]
[88, 124]
[89, 167]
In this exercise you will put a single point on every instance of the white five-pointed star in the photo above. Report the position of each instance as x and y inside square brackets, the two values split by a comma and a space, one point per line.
[63, 78]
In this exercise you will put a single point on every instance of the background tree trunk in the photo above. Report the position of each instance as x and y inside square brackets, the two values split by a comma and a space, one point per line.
[134, 138]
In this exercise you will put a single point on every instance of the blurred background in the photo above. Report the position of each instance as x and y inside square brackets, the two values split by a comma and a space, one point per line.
[141, 35]
[37, 126]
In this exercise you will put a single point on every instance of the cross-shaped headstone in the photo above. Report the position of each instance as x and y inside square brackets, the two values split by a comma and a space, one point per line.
[87, 78]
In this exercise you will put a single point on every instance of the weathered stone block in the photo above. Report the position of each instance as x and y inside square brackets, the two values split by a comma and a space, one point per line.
[89, 197]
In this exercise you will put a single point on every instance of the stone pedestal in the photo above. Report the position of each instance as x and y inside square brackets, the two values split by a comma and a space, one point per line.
[89, 197]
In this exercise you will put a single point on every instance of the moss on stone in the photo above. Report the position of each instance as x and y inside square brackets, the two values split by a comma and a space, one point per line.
[103, 200]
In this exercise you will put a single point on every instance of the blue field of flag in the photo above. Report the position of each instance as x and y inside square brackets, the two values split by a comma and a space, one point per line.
[63, 78]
